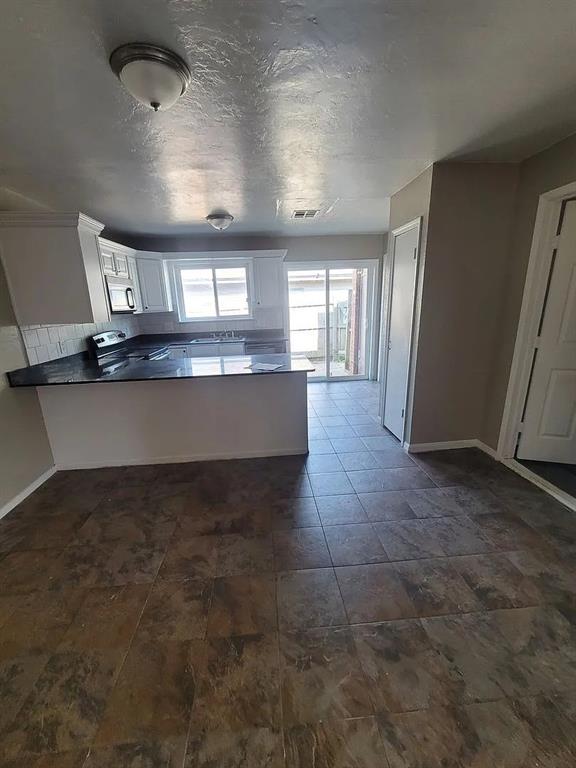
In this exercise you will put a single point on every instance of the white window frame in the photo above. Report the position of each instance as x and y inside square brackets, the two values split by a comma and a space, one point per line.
[213, 264]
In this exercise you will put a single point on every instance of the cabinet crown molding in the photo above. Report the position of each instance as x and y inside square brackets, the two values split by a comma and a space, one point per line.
[26, 219]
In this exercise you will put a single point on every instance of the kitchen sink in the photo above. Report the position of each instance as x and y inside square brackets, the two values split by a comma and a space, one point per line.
[218, 340]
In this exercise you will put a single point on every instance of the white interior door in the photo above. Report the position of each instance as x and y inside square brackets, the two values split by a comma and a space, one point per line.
[402, 295]
[549, 428]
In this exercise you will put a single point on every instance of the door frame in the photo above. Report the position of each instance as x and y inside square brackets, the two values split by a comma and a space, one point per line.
[372, 308]
[544, 240]
[387, 288]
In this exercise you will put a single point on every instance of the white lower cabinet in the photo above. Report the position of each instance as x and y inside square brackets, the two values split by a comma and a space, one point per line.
[204, 350]
[207, 350]
[177, 353]
[232, 348]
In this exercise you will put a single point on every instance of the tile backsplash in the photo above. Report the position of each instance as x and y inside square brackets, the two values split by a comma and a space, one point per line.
[49, 342]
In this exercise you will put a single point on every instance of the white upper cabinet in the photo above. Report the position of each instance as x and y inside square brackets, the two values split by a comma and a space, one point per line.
[270, 282]
[154, 288]
[108, 264]
[115, 258]
[133, 275]
[53, 267]
[121, 262]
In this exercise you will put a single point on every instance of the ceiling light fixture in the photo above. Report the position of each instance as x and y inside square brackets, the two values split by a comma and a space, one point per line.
[220, 221]
[155, 76]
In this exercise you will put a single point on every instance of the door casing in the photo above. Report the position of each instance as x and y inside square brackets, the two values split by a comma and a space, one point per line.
[544, 240]
[554, 360]
[414, 332]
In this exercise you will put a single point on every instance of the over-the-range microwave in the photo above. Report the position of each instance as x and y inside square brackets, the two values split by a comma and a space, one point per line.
[121, 295]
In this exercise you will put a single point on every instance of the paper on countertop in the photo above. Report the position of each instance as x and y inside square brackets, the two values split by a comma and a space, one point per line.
[265, 366]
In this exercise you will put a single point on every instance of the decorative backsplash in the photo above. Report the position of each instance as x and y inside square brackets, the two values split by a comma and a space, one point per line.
[49, 342]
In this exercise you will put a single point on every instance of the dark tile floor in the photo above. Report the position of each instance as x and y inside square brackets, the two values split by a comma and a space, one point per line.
[356, 609]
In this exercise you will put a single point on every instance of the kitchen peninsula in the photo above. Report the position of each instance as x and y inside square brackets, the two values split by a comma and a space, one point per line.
[132, 410]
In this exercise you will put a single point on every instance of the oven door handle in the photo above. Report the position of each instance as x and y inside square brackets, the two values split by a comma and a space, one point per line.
[130, 298]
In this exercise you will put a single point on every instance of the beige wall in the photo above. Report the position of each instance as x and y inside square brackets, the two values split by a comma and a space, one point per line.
[24, 449]
[411, 202]
[469, 233]
[547, 170]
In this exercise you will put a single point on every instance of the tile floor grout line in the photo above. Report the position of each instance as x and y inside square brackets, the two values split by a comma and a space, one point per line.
[121, 666]
[450, 615]
[503, 552]
[335, 574]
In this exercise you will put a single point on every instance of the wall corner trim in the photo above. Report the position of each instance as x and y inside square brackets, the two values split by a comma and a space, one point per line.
[9, 506]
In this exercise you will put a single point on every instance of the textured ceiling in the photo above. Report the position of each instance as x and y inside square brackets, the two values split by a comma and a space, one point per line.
[333, 104]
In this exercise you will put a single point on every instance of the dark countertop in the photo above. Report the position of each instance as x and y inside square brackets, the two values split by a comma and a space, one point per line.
[80, 369]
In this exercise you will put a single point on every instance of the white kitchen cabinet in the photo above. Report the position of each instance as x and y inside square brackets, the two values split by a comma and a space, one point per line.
[153, 282]
[177, 353]
[108, 264]
[121, 264]
[270, 280]
[53, 268]
[231, 348]
[115, 258]
[133, 275]
[204, 350]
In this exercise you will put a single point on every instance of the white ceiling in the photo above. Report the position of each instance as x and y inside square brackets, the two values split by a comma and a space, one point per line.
[294, 103]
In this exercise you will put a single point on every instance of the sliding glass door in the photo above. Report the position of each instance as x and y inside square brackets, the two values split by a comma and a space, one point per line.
[330, 309]
[307, 306]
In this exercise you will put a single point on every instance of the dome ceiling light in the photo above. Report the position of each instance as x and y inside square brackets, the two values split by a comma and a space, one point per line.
[220, 221]
[155, 76]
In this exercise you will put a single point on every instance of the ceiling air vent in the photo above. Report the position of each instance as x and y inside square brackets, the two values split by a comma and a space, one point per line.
[305, 213]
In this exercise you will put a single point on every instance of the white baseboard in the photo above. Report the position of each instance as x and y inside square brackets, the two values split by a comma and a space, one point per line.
[9, 506]
[553, 490]
[450, 446]
[181, 459]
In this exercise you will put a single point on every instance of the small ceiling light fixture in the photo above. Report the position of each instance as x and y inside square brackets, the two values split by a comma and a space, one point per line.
[155, 76]
[220, 221]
